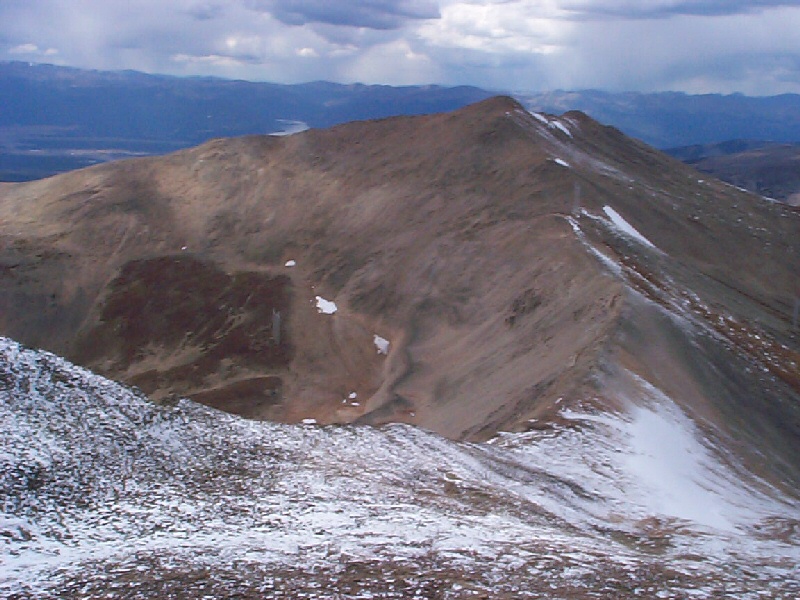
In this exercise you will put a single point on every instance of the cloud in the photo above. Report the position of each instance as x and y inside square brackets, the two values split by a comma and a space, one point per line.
[732, 53]
[408, 66]
[516, 27]
[372, 14]
[24, 49]
[649, 45]
[660, 9]
[32, 49]
[206, 11]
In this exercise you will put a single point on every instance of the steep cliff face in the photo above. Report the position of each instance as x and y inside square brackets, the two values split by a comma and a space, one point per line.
[516, 264]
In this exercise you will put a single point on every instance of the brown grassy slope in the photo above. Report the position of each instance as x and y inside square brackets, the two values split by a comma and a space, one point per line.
[441, 234]
[446, 234]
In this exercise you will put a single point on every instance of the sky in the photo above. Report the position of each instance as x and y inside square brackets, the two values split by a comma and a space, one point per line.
[695, 46]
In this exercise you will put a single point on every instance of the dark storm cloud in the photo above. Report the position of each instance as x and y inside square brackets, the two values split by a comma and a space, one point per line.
[372, 14]
[659, 9]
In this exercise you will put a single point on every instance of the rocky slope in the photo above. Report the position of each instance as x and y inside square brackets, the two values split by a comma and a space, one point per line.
[517, 264]
[108, 495]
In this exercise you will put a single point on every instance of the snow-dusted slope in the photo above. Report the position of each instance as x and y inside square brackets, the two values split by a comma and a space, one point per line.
[105, 494]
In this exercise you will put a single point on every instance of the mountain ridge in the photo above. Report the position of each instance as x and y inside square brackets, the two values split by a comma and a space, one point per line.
[499, 253]
[766, 168]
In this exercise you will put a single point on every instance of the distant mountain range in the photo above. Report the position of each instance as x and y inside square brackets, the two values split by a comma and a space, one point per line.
[671, 119]
[55, 119]
[767, 168]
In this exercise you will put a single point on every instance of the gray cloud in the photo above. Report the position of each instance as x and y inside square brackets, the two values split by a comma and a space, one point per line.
[660, 9]
[648, 45]
[373, 14]
[207, 11]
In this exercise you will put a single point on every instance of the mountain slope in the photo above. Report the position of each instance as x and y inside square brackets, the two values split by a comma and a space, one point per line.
[108, 495]
[766, 168]
[517, 265]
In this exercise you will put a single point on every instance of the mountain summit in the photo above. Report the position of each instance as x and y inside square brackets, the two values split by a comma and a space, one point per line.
[469, 272]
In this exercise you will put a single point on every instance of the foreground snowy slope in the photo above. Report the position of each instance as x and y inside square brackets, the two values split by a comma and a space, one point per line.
[106, 494]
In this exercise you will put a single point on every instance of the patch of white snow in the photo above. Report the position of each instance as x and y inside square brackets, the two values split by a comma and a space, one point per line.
[326, 307]
[626, 227]
[381, 344]
[560, 126]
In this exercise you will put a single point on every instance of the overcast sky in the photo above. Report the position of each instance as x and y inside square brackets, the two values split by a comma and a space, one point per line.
[697, 46]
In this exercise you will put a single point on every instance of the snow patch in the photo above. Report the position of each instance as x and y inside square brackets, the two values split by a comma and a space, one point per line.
[551, 123]
[561, 127]
[381, 344]
[626, 227]
[674, 468]
[610, 263]
[540, 117]
[326, 307]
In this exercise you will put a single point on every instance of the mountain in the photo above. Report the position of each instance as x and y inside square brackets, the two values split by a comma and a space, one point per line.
[108, 495]
[766, 168]
[467, 272]
[58, 118]
[674, 119]
[603, 340]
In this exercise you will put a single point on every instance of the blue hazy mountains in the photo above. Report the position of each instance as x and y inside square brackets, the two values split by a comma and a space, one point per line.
[54, 119]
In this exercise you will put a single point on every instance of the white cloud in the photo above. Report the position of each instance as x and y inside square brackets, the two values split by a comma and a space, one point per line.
[498, 28]
[24, 49]
[32, 50]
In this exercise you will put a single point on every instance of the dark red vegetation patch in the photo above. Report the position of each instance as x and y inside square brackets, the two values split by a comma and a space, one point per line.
[176, 306]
